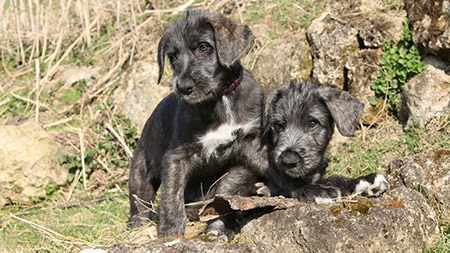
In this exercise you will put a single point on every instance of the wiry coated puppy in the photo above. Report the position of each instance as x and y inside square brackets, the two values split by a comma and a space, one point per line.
[298, 126]
[202, 128]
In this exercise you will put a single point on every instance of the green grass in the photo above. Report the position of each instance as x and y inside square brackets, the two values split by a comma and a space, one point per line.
[102, 223]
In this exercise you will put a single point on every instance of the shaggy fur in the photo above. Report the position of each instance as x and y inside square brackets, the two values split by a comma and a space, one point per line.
[203, 128]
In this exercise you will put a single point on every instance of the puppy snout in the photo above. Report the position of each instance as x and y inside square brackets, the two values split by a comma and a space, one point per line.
[290, 158]
[185, 88]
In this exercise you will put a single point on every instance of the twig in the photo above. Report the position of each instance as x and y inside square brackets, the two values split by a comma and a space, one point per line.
[220, 178]
[36, 118]
[59, 122]
[83, 165]
[27, 100]
[120, 139]
[89, 202]
[76, 178]
[174, 10]
[51, 232]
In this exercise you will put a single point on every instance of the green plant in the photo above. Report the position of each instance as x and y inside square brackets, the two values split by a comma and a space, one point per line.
[398, 65]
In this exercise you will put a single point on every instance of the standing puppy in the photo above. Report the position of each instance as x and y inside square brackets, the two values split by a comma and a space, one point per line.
[198, 131]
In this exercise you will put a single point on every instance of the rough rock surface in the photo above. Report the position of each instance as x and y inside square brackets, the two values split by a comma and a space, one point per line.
[284, 60]
[193, 245]
[399, 221]
[429, 175]
[383, 26]
[424, 96]
[28, 163]
[362, 69]
[332, 42]
[430, 22]
[142, 93]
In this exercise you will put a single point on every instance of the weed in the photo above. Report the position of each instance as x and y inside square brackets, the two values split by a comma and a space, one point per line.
[398, 65]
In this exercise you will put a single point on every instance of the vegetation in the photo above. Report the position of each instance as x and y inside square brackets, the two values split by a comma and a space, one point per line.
[40, 40]
[398, 64]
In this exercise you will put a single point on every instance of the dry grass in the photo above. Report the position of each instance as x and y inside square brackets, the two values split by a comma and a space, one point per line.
[60, 63]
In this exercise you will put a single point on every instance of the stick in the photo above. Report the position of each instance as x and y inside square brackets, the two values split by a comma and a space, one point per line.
[121, 141]
[27, 100]
[51, 232]
[36, 118]
[83, 165]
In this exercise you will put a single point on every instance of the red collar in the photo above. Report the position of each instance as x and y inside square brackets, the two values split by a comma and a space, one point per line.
[236, 82]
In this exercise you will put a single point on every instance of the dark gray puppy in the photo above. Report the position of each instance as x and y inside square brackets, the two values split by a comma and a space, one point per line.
[298, 126]
[203, 127]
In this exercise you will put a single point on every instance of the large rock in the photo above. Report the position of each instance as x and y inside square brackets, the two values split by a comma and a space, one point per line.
[285, 59]
[139, 92]
[375, 30]
[28, 163]
[425, 95]
[332, 41]
[429, 175]
[399, 221]
[362, 69]
[430, 22]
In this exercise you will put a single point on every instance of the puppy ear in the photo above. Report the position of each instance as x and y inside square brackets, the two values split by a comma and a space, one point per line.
[231, 38]
[161, 56]
[344, 108]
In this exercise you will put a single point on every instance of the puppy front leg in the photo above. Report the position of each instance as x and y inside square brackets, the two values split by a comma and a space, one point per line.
[172, 215]
[370, 185]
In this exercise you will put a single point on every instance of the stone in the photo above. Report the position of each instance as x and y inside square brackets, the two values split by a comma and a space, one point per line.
[430, 21]
[424, 96]
[428, 174]
[201, 244]
[28, 163]
[142, 93]
[332, 41]
[399, 221]
[362, 69]
[383, 26]
[283, 60]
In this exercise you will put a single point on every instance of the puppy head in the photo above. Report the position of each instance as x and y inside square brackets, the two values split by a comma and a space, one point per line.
[203, 50]
[299, 122]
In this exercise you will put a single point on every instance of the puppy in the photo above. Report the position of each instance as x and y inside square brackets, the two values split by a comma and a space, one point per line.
[298, 126]
[201, 129]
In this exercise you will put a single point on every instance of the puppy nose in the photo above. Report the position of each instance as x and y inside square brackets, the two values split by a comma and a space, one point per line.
[290, 158]
[185, 88]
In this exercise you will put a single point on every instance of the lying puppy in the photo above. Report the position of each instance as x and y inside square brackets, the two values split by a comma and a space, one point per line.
[200, 130]
[298, 126]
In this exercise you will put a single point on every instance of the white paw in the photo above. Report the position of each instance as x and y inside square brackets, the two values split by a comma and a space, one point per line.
[376, 188]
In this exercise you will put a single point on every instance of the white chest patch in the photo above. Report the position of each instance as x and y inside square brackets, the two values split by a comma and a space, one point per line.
[224, 134]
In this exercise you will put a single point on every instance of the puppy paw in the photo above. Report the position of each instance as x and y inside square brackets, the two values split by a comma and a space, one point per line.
[372, 185]
[262, 189]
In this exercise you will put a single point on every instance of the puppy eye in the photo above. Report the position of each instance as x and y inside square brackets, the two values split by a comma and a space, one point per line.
[313, 124]
[278, 127]
[203, 47]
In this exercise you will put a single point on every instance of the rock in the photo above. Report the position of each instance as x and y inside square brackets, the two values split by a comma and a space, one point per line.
[438, 63]
[283, 60]
[430, 21]
[362, 69]
[429, 175]
[332, 41]
[142, 93]
[383, 26]
[202, 245]
[28, 163]
[399, 221]
[424, 96]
